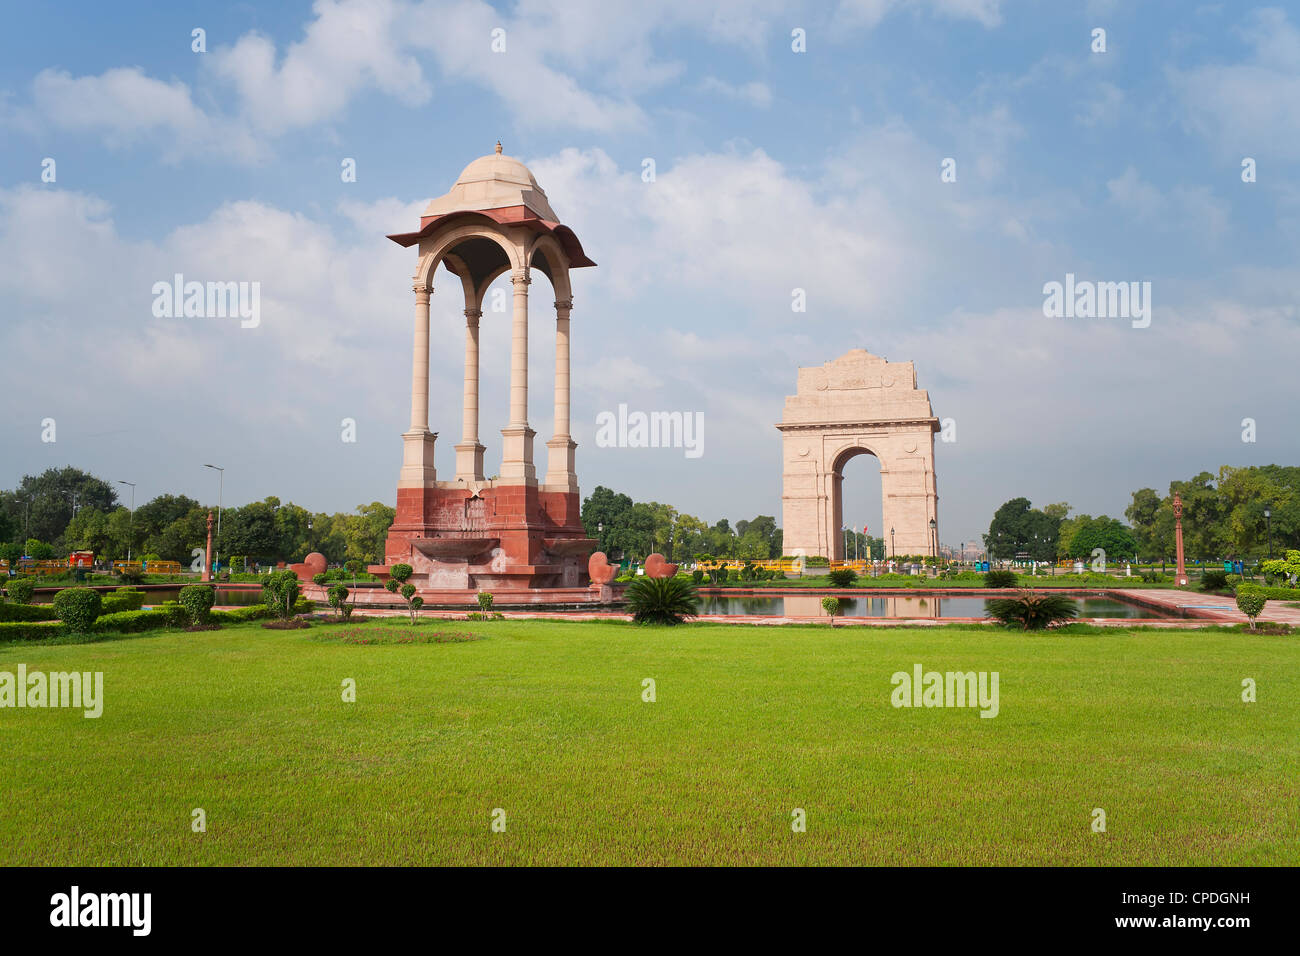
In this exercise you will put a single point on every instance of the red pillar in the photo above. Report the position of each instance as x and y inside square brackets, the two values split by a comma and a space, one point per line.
[207, 553]
[1180, 575]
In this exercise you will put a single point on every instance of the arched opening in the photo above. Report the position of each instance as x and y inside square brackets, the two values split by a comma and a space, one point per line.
[857, 504]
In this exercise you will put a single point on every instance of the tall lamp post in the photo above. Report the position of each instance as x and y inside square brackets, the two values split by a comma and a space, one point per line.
[221, 490]
[934, 539]
[1268, 523]
[130, 520]
[892, 552]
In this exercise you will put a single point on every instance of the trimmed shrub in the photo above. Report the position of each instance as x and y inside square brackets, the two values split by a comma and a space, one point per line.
[197, 599]
[123, 599]
[697, 576]
[280, 593]
[832, 606]
[1214, 580]
[662, 600]
[78, 608]
[1275, 594]
[337, 595]
[30, 630]
[1251, 601]
[1033, 612]
[21, 589]
[485, 600]
[177, 616]
[842, 577]
[254, 612]
[131, 622]
[397, 583]
[1000, 579]
[27, 612]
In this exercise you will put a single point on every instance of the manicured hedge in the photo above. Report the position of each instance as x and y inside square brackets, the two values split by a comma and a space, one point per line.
[30, 630]
[131, 622]
[254, 612]
[20, 590]
[78, 607]
[27, 612]
[123, 599]
[1278, 594]
[197, 599]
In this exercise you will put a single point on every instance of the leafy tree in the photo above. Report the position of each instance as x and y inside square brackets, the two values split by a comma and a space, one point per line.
[39, 550]
[605, 517]
[52, 494]
[366, 531]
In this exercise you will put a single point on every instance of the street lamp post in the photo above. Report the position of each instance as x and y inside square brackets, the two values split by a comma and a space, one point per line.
[221, 490]
[934, 539]
[1268, 523]
[130, 520]
[892, 550]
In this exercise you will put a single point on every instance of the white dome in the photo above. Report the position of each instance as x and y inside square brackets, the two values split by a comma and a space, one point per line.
[493, 181]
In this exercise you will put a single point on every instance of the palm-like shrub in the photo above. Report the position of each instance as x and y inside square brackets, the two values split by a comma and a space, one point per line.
[662, 600]
[1032, 611]
[842, 577]
[1000, 579]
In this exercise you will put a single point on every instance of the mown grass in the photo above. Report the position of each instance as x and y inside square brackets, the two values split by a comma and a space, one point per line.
[545, 720]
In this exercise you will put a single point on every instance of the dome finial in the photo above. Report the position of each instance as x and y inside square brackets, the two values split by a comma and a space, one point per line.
[498, 147]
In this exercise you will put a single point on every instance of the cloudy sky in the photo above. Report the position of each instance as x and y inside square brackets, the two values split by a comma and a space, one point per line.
[775, 170]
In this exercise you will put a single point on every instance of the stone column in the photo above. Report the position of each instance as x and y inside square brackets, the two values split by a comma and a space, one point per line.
[560, 467]
[417, 441]
[469, 453]
[517, 437]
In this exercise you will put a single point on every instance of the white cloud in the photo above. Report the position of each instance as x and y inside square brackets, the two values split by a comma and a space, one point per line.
[754, 93]
[1250, 108]
[127, 107]
[868, 13]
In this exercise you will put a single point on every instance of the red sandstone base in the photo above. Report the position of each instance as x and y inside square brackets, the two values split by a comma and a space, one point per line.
[503, 538]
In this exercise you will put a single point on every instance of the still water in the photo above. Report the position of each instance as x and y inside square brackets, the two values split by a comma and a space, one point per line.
[915, 606]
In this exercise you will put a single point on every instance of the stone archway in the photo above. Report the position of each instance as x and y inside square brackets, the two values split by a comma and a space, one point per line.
[858, 404]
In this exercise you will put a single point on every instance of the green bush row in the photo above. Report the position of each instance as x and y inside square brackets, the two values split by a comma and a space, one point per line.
[254, 612]
[27, 612]
[1277, 594]
[30, 630]
[132, 622]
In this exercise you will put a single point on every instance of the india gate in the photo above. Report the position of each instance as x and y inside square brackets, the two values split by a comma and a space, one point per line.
[858, 404]
[517, 531]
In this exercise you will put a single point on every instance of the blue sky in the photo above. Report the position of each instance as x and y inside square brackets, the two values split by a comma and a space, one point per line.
[775, 170]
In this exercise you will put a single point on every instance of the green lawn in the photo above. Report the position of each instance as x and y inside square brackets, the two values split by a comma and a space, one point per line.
[545, 720]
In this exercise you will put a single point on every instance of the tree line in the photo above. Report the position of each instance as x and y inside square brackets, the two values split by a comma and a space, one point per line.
[67, 509]
[1224, 518]
[631, 530]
